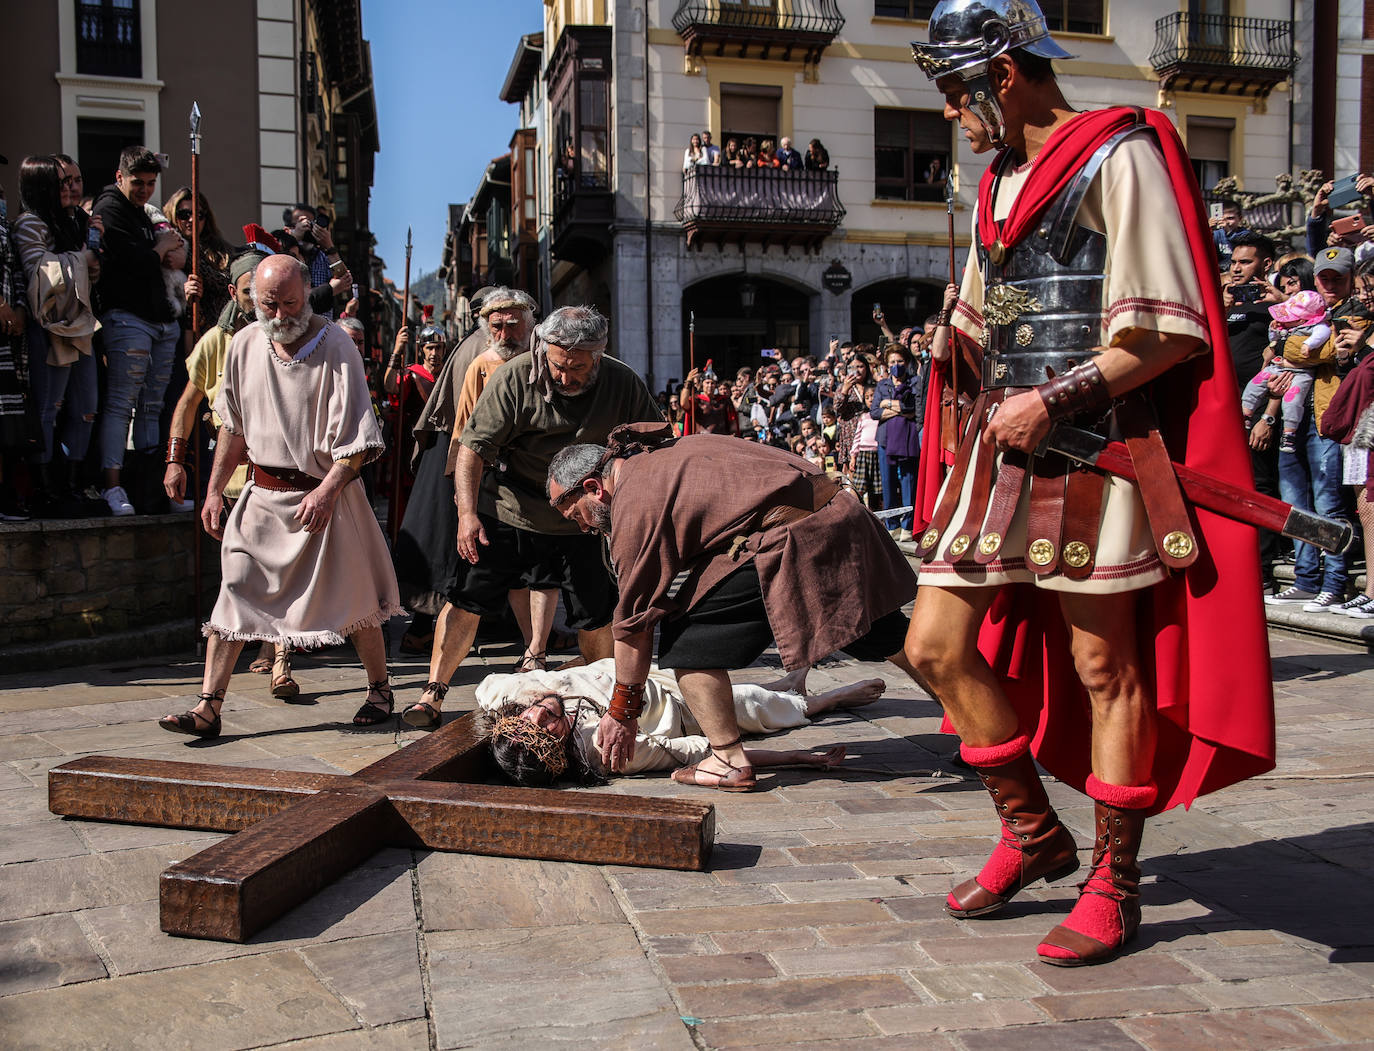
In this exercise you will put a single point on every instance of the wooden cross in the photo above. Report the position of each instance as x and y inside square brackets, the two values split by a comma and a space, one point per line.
[298, 832]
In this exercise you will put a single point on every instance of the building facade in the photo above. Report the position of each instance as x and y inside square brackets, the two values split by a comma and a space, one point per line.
[284, 88]
[694, 263]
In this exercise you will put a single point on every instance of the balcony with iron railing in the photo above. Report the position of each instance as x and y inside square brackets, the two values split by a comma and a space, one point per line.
[764, 29]
[765, 205]
[1222, 54]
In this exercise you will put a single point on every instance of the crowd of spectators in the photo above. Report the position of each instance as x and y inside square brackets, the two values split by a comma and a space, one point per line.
[1300, 325]
[96, 298]
[751, 152]
[855, 411]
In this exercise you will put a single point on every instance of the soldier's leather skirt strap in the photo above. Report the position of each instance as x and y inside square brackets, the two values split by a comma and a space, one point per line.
[1170, 524]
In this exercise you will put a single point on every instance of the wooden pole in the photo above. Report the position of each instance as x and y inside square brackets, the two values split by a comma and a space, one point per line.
[691, 366]
[194, 436]
[953, 348]
[396, 459]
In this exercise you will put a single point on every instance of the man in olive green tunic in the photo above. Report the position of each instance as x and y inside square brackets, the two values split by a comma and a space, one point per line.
[563, 392]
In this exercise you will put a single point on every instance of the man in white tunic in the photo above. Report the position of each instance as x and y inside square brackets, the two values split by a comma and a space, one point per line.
[545, 724]
[303, 561]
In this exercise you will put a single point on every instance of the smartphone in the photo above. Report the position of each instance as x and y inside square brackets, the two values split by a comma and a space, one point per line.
[1249, 292]
[1343, 192]
[1350, 226]
[1215, 210]
[877, 310]
[770, 352]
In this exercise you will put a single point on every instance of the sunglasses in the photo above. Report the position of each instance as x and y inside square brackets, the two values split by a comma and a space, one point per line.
[183, 214]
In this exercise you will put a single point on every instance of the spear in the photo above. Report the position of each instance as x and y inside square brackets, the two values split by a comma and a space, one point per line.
[954, 357]
[195, 331]
[692, 363]
[396, 458]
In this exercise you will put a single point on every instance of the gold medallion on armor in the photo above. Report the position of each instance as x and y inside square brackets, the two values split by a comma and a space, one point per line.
[1041, 552]
[990, 543]
[929, 537]
[1077, 554]
[1178, 544]
[1024, 334]
[998, 252]
[958, 545]
[1003, 304]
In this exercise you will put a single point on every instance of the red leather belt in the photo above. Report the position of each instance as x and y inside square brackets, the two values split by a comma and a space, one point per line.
[281, 479]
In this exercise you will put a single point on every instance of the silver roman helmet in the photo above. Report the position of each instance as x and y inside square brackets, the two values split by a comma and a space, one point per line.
[966, 35]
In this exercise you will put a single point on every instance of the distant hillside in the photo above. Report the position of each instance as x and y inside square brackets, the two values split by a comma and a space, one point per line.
[429, 288]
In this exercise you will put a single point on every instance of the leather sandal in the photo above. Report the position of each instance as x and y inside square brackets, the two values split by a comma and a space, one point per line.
[194, 723]
[739, 779]
[371, 713]
[422, 715]
[532, 662]
[284, 688]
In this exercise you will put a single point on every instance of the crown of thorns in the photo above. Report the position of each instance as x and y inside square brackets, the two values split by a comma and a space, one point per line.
[545, 746]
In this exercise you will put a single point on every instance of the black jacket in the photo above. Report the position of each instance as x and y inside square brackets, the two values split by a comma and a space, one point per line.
[130, 271]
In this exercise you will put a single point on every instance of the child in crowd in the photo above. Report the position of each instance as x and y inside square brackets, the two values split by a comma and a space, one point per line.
[1303, 315]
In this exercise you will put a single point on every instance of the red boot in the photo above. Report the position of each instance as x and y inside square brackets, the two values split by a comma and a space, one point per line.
[1034, 844]
[1107, 913]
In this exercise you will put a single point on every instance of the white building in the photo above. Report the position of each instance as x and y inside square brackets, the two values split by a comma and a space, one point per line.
[772, 259]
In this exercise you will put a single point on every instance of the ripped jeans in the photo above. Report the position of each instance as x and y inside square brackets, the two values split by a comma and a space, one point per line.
[139, 357]
[56, 387]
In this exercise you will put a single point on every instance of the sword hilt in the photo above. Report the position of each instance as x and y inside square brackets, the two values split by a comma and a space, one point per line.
[1329, 534]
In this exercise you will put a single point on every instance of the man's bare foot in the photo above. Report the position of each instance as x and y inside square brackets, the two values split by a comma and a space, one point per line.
[855, 695]
[792, 682]
[826, 760]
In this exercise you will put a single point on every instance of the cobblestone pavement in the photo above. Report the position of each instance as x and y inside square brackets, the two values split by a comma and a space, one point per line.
[818, 925]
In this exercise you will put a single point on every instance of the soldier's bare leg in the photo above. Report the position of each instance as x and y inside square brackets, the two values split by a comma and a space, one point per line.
[942, 646]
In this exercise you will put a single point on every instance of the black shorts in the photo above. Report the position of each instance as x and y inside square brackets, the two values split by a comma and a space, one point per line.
[517, 558]
[729, 628]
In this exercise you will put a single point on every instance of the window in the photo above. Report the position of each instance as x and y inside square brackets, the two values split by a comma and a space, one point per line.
[1209, 146]
[911, 154]
[1075, 16]
[109, 40]
[749, 12]
[913, 9]
[98, 146]
[749, 110]
[594, 146]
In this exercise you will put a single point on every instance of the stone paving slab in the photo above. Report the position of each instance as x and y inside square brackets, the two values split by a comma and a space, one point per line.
[819, 923]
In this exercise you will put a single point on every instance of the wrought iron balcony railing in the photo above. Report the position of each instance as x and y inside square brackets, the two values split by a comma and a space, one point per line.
[1221, 53]
[759, 28]
[759, 204]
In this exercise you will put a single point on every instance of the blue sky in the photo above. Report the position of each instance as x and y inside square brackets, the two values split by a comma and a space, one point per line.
[437, 67]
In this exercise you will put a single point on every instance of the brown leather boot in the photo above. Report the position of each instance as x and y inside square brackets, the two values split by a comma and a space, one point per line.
[1034, 844]
[1107, 913]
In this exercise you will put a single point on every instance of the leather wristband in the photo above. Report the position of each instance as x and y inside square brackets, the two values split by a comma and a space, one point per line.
[943, 318]
[1081, 389]
[176, 450]
[627, 701]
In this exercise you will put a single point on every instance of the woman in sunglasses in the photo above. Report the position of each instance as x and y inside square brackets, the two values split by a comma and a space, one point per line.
[212, 281]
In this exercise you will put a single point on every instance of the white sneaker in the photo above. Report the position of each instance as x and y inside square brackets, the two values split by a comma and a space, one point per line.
[1326, 602]
[1289, 596]
[181, 507]
[1352, 607]
[118, 500]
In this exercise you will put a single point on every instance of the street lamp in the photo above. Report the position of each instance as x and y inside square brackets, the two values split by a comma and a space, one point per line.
[747, 291]
[911, 299]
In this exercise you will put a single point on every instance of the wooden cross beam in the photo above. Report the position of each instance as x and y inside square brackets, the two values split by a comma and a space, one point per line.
[298, 832]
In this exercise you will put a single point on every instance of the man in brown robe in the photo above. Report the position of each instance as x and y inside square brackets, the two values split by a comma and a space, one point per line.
[772, 548]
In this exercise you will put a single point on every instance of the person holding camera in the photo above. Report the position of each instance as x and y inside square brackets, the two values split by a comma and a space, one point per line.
[317, 249]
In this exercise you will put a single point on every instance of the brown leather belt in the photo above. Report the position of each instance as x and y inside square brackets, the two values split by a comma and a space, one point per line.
[823, 489]
[281, 479]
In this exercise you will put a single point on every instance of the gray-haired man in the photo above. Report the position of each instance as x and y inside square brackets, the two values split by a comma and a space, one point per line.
[561, 393]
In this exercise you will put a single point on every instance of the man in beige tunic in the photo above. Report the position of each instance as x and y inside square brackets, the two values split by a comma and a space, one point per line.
[303, 561]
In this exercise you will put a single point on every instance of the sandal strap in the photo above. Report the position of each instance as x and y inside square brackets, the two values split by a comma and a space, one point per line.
[439, 689]
[383, 687]
[728, 744]
[715, 754]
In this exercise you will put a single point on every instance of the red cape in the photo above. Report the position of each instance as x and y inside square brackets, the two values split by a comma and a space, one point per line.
[1202, 635]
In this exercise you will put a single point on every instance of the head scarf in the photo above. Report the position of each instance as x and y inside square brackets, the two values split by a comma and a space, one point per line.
[244, 263]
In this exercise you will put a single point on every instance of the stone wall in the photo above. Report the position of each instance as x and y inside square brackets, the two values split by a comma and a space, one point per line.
[64, 580]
